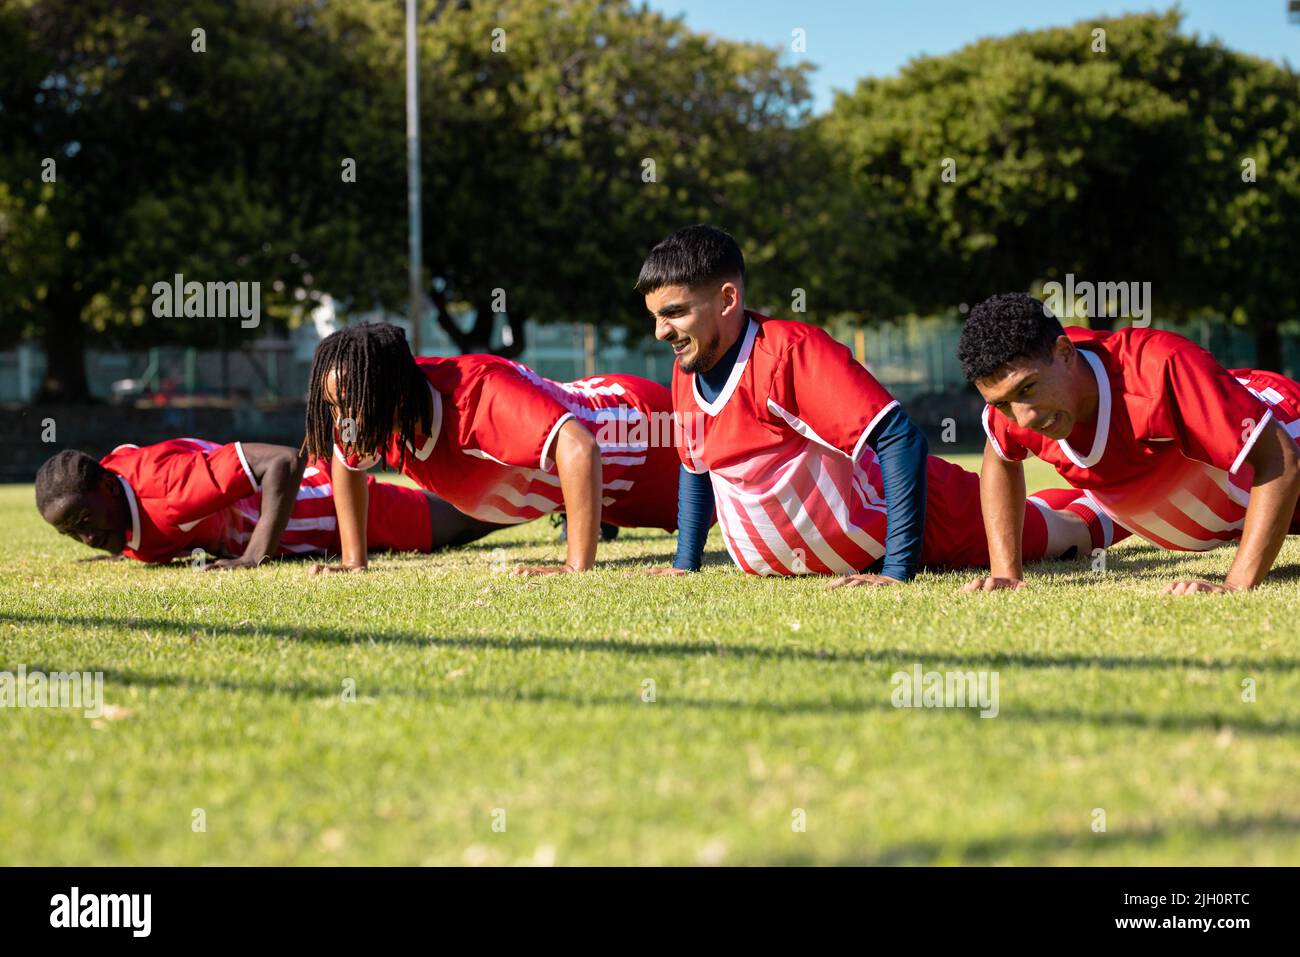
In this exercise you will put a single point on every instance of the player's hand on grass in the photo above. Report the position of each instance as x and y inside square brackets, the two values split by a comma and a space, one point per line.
[1196, 587]
[319, 569]
[100, 558]
[854, 581]
[225, 564]
[993, 583]
[663, 571]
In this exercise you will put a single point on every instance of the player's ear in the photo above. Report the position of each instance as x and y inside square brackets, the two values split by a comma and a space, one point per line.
[732, 298]
[1064, 350]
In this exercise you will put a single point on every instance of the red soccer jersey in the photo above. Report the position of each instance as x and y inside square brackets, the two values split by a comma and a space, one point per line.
[490, 451]
[796, 486]
[184, 494]
[1166, 456]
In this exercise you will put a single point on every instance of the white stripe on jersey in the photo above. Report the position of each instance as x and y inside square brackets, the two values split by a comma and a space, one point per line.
[738, 538]
[841, 511]
[521, 500]
[311, 524]
[1200, 513]
[490, 513]
[1152, 526]
[809, 534]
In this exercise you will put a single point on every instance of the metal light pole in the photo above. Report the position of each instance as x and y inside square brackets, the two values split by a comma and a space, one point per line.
[413, 176]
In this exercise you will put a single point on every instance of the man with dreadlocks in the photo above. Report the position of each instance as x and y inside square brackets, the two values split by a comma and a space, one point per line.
[241, 502]
[492, 437]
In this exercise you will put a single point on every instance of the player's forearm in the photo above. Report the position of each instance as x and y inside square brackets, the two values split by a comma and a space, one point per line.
[694, 516]
[902, 451]
[577, 459]
[1272, 505]
[351, 507]
[279, 474]
[1002, 502]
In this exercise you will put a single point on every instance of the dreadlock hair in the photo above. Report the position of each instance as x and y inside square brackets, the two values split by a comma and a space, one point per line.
[69, 474]
[377, 383]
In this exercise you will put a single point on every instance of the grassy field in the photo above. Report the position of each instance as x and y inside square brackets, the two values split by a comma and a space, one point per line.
[482, 699]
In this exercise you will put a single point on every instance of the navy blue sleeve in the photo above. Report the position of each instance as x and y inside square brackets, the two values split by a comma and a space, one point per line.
[902, 450]
[694, 516]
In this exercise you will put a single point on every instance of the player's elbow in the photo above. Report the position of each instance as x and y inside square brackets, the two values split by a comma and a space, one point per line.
[286, 467]
[575, 446]
[919, 442]
[1275, 455]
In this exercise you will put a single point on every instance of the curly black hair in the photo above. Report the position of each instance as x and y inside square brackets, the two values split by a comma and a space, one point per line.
[1002, 329]
[69, 474]
[377, 382]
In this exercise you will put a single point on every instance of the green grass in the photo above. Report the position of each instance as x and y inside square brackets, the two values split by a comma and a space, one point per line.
[476, 690]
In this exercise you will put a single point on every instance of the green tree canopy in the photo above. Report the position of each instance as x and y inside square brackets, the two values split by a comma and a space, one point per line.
[1115, 163]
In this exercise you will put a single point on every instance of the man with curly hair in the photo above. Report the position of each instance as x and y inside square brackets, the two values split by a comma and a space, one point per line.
[1170, 444]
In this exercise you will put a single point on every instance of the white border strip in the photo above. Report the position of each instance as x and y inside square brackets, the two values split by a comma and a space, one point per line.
[871, 427]
[988, 431]
[550, 438]
[133, 542]
[243, 460]
[1250, 443]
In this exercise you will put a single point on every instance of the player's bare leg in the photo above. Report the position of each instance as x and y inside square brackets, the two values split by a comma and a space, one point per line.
[1075, 526]
[1067, 536]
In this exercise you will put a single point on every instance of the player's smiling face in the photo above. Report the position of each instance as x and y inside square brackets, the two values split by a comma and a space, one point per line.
[692, 321]
[97, 518]
[1038, 394]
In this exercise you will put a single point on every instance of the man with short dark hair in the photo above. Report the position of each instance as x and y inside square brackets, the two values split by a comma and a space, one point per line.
[1170, 444]
[812, 466]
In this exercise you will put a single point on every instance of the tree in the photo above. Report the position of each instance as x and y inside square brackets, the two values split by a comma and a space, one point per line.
[1114, 156]
[564, 137]
[201, 137]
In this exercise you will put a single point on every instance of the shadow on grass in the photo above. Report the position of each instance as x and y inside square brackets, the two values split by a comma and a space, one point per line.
[1145, 560]
[476, 550]
[827, 707]
[934, 658]
[999, 848]
[838, 707]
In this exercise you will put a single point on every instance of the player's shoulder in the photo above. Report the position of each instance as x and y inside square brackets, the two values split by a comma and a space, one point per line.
[457, 375]
[779, 336]
[129, 454]
[1134, 347]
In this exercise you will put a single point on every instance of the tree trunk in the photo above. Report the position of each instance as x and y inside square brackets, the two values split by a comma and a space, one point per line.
[515, 323]
[65, 352]
[1268, 346]
[478, 339]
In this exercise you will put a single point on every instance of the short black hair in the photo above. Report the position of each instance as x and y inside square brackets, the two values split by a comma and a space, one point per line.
[377, 382]
[691, 256]
[1004, 328]
[69, 474]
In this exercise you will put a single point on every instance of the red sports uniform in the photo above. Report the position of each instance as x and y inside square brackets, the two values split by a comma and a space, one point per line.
[1166, 456]
[796, 486]
[185, 494]
[490, 453]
